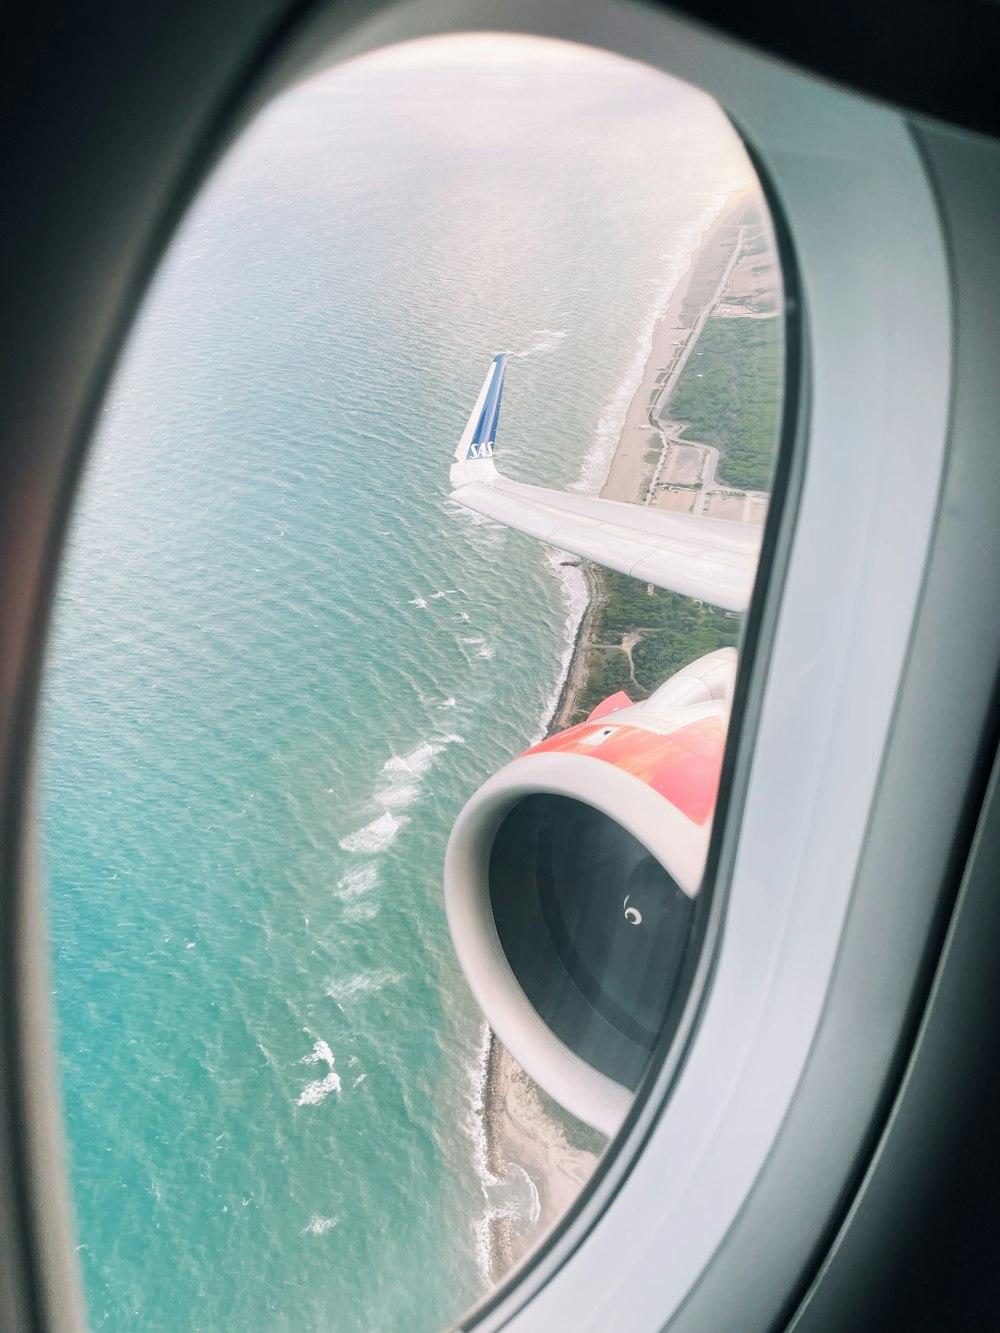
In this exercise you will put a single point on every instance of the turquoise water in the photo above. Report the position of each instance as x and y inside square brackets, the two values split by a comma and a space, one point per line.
[281, 662]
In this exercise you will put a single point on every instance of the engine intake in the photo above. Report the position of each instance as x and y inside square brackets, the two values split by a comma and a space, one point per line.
[570, 881]
[593, 927]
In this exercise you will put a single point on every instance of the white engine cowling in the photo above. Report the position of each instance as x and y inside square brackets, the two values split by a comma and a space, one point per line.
[570, 885]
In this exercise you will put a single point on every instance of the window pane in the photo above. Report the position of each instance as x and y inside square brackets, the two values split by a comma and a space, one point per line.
[283, 661]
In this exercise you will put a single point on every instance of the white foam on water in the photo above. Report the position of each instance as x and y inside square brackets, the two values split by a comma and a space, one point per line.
[442, 592]
[319, 1226]
[487, 651]
[318, 1091]
[416, 762]
[374, 837]
[362, 879]
[483, 1244]
[449, 703]
[545, 341]
[474, 1124]
[418, 602]
[524, 1209]
[575, 596]
[402, 775]
[320, 1054]
[612, 419]
[362, 983]
[398, 795]
[534, 1199]
[362, 911]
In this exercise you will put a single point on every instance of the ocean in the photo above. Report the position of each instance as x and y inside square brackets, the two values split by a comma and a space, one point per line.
[281, 662]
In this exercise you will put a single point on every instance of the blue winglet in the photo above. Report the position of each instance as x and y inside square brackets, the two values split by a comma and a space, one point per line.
[484, 436]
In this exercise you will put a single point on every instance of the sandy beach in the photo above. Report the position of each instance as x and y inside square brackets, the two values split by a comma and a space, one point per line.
[634, 463]
[520, 1131]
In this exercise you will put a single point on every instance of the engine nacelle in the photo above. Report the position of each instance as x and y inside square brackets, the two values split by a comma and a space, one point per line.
[570, 882]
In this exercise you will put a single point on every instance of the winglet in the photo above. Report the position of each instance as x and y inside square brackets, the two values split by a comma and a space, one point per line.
[474, 455]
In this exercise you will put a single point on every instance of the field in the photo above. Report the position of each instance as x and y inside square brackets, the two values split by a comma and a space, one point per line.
[729, 395]
[670, 631]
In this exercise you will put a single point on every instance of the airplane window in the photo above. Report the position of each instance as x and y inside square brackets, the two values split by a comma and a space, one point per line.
[327, 1062]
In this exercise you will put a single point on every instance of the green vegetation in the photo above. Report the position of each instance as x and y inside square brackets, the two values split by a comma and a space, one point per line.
[657, 656]
[578, 1135]
[607, 673]
[729, 396]
[736, 404]
[672, 630]
[628, 605]
[758, 242]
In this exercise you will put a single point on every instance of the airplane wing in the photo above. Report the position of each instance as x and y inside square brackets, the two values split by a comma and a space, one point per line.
[686, 553]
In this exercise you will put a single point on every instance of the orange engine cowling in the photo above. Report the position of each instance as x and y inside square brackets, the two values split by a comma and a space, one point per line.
[571, 882]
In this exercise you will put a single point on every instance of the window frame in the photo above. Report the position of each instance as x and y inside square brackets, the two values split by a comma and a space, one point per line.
[605, 1262]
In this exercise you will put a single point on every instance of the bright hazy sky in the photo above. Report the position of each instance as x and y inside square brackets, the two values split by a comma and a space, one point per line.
[484, 49]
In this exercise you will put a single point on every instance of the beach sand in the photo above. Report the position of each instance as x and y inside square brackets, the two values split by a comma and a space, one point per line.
[520, 1130]
[632, 468]
[638, 451]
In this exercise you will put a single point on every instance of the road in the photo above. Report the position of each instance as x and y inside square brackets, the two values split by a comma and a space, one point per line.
[662, 395]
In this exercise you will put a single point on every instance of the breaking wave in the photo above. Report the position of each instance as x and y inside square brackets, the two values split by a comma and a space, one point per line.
[374, 837]
[319, 1089]
[399, 785]
[401, 779]
[612, 419]
[320, 1054]
[575, 595]
[475, 1128]
[314, 1093]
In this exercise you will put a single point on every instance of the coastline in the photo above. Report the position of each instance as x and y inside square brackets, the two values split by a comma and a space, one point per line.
[519, 1131]
[633, 467]
[630, 471]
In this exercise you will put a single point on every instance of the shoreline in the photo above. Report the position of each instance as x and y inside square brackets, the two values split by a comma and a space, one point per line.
[631, 471]
[518, 1131]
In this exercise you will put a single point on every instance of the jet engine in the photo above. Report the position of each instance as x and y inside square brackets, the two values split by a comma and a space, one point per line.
[570, 885]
